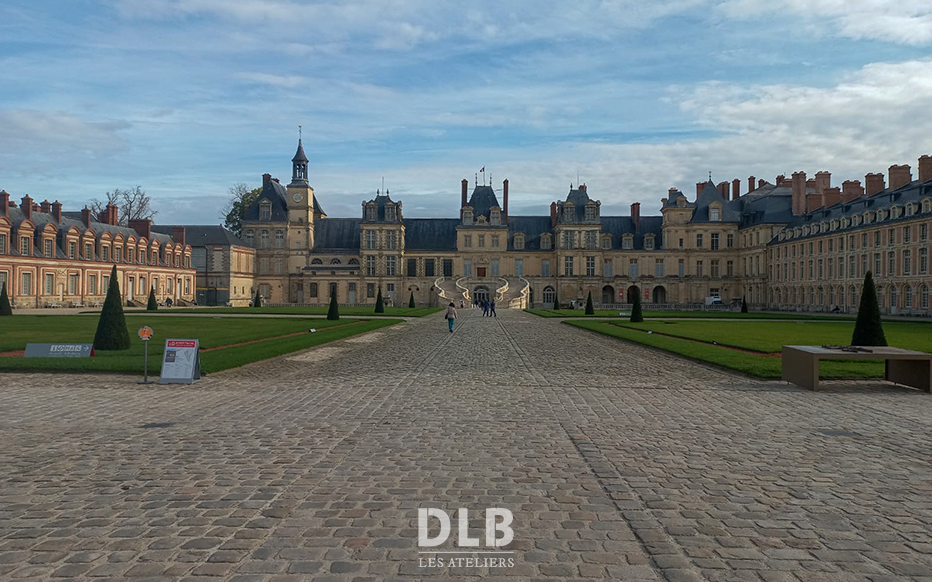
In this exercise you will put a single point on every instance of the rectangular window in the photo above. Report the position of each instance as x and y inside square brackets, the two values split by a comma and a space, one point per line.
[467, 268]
[648, 243]
[104, 253]
[481, 241]
[92, 284]
[47, 250]
[891, 262]
[681, 243]
[633, 268]
[681, 270]
[391, 239]
[467, 240]
[545, 268]
[863, 240]
[495, 241]
[730, 269]
[812, 269]
[2, 244]
[590, 240]
[907, 262]
[699, 268]
[590, 266]
[370, 290]
[312, 290]
[72, 249]
[72, 284]
[390, 264]
[142, 256]
[412, 267]
[24, 247]
[714, 241]
[118, 254]
[370, 265]
[568, 266]
[494, 266]
[607, 268]
[428, 267]
[519, 267]
[606, 243]
[26, 284]
[907, 234]
[878, 265]
[923, 232]
[49, 283]
[730, 240]
[658, 267]
[831, 269]
[863, 265]
[698, 241]
[370, 239]
[447, 267]
[923, 261]
[714, 268]
[876, 239]
[891, 236]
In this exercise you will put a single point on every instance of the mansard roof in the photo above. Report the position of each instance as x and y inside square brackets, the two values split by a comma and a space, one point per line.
[532, 227]
[336, 234]
[767, 204]
[618, 226]
[482, 200]
[277, 195]
[706, 198]
[69, 219]
[425, 234]
[381, 201]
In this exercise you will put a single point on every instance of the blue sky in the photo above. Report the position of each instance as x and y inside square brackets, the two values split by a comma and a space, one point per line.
[188, 97]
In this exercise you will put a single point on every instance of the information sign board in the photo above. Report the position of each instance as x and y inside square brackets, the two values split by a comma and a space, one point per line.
[181, 362]
[59, 350]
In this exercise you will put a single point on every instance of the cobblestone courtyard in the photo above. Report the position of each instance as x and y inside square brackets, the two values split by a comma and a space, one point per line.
[618, 462]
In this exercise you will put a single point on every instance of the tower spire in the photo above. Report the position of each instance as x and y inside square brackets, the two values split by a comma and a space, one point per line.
[299, 164]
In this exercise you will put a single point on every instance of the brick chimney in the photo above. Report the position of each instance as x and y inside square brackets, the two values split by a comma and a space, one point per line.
[582, 187]
[56, 211]
[266, 178]
[724, 188]
[873, 183]
[780, 179]
[851, 189]
[823, 180]
[751, 180]
[505, 198]
[46, 207]
[831, 196]
[799, 192]
[143, 227]
[925, 168]
[899, 176]
[178, 235]
[27, 207]
[110, 215]
[699, 187]
[4, 203]
[86, 217]
[553, 214]
[810, 183]
[735, 189]
[636, 216]
[761, 182]
[813, 201]
[465, 191]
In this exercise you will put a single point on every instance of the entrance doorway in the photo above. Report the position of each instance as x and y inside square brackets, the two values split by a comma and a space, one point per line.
[608, 295]
[633, 291]
[351, 294]
[480, 271]
[481, 293]
[660, 295]
[131, 288]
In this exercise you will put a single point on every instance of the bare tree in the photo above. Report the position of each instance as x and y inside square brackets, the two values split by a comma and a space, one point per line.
[134, 204]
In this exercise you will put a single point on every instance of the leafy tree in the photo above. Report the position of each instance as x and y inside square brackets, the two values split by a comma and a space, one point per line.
[232, 213]
[868, 330]
[257, 301]
[379, 304]
[411, 303]
[636, 315]
[5, 307]
[134, 204]
[589, 309]
[334, 311]
[744, 304]
[153, 304]
[111, 327]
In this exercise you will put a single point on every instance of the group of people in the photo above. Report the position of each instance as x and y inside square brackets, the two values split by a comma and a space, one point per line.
[488, 310]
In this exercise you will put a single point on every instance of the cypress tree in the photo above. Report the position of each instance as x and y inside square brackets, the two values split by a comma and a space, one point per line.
[556, 300]
[868, 330]
[257, 301]
[334, 311]
[111, 328]
[636, 315]
[744, 304]
[153, 304]
[411, 301]
[5, 307]
[589, 309]
[379, 304]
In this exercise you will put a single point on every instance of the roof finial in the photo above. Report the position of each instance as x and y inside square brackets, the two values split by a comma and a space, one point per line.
[299, 133]
[710, 175]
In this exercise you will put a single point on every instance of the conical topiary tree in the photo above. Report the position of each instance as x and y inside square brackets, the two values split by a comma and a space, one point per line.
[257, 301]
[868, 330]
[334, 312]
[111, 328]
[152, 305]
[5, 307]
[744, 304]
[589, 309]
[636, 315]
[379, 304]
[556, 300]
[411, 301]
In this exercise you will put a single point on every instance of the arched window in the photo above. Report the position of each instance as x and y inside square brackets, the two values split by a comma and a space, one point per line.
[317, 262]
[549, 294]
[354, 261]
[264, 239]
[335, 262]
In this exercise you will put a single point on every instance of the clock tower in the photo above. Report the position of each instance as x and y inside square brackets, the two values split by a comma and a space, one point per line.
[300, 212]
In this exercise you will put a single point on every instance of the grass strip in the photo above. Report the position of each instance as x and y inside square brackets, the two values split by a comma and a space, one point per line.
[366, 312]
[613, 314]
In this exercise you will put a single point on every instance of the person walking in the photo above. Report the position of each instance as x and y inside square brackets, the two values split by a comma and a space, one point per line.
[450, 315]
[485, 308]
[492, 308]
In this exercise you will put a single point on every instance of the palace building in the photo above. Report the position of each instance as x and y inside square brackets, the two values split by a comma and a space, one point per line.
[51, 258]
[793, 244]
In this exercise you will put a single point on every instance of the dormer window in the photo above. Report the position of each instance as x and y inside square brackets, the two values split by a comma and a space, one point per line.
[649, 242]
[372, 213]
[569, 212]
[496, 217]
[927, 205]
[715, 214]
[607, 242]
[467, 216]
[265, 210]
[519, 241]
[627, 242]
[909, 209]
[390, 212]
[546, 242]
[590, 212]
[481, 220]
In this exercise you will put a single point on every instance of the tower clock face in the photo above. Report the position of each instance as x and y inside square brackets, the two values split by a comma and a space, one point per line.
[296, 197]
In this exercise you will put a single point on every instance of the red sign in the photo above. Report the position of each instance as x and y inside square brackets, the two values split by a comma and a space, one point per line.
[181, 343]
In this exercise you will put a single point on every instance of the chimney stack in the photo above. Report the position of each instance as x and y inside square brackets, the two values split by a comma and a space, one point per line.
[873, 183]
[751, 180]
[781, 179]
[505, 198]
[4, 203]
[465, 191]
[735, 189]
[45, 207]
[636, 216]
[813, 201]
[143, 227]
[831, 196]
[823, 180]
[899, 176]
[761, 182]
[724, 188]
[799, 192]
[178, 235]
[699, 187]
[86, 217]
[266, 178]
[925, 168]
[553, 214]
[851, 189]
[27, 207]
[56, 211]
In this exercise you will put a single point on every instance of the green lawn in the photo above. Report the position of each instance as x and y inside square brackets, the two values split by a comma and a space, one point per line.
[212, 332]
[767, 337]
[317, 310]
[648, 314]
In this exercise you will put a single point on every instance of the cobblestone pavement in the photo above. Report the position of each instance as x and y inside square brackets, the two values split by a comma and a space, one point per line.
[618, 463]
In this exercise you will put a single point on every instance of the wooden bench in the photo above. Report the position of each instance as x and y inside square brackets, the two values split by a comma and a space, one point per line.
[907, 367]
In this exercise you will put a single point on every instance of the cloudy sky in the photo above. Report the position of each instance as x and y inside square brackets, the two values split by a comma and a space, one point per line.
[188, 97]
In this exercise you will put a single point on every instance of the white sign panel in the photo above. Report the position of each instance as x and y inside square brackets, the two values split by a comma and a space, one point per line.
[181, 362]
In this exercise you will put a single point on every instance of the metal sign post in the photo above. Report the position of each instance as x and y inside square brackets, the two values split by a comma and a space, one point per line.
[144, 334]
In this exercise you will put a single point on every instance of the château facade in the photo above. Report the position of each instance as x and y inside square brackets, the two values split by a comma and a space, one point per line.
[794, 244]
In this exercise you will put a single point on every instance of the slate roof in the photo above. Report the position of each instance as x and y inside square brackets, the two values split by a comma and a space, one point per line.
[672, 200]
[621, 225]
[767, 204]
[707, 196]
[482, 200]
[425, 234]
[380, 202]
[336, 234]
[277, 195]
[532, 227]
[199, 235]
[299, 155]
[579, 198]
